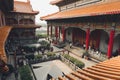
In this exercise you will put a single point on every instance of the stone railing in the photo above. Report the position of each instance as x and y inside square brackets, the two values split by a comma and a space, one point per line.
[97, 55]
[69, 63]
[60, 57]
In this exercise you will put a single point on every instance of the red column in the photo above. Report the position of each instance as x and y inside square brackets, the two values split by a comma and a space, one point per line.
[87, 38]
[110, 45]
[47, 30]
[63, 34]
[51, 31]
[59, 32]
[56, 32]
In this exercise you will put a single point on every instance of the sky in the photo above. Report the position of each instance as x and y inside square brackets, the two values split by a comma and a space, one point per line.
[43, 7]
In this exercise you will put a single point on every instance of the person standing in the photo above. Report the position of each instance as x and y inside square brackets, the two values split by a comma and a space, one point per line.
[70, 45]
[84, 46]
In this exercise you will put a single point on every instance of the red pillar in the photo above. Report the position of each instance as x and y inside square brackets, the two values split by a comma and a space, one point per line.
[59, 33]
[87, 38]
[47, 30]
[110, 45]
[51, 31]
[56, 32]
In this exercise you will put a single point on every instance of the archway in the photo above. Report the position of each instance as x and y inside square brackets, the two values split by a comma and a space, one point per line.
[68, 34]
[79, 36]
[99, 40]
[76, 35]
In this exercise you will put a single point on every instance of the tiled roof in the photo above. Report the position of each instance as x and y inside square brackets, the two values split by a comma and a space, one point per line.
[4, 31]
[106, 70]
[93, 10]
[23, 7]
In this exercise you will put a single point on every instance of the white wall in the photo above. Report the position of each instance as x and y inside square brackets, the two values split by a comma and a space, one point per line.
[116, 43]
[103, 45]
[69, 36]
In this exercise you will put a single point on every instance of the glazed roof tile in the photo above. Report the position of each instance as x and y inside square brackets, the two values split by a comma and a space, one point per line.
[93, 10]
[23, 7]
[106, 70]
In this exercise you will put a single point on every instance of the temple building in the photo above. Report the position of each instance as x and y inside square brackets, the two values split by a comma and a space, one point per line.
[22, 18]
[91, 22]
[94, 23]
[17, 27]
